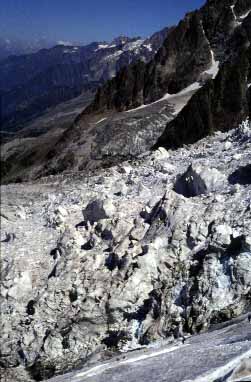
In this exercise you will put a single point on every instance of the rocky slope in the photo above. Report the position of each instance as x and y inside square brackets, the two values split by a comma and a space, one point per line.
[197, 83]
[150, 249]
[29, 84]
[60, 117]
[95, 141]
[211, 45]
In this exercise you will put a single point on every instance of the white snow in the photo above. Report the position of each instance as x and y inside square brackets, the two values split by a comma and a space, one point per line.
[73, 50]
[239, 19]
[106, 366]
[65, 43]
[113, 56]
[91, 372]
[148, 46]
[130, 46]
[101, 120]
[232, 8]
[151, 355]
[237, 23]
[102, 46]
[167, 96]
[221, 371]
[213, 71]
[245, 14]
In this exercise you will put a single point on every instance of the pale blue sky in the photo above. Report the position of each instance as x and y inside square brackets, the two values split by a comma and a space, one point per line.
[89, 20]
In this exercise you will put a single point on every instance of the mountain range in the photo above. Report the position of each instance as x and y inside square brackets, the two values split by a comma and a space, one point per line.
[30, 84]
[196, 83]
[17, 47]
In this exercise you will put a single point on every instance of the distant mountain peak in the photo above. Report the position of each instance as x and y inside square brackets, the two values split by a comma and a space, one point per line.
[121, 40]
[65, 43]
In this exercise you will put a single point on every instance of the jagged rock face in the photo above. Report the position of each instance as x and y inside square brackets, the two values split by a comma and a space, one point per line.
[31, 83]
[218, 23]
[216, 106]
[218, 27]
[242, 6]
[120, 259]
[123, 92]
[184, 55]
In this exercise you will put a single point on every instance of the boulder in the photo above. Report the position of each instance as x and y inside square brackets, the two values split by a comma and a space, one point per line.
[241, 176]
[198, 181]
[98, 209]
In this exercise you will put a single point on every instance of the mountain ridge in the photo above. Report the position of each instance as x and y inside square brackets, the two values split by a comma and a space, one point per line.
[196, 83]
[29, 84]
[202, 27]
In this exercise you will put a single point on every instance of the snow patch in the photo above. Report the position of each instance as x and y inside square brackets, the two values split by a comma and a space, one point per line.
[167, 96]
[130, 46]
[64, 43]
[149, 47]
[239, 19]
[232, 9]
[151, 355]
[102, 46]
[113, 56]
[222, 371]
[213, 71]
[70, 51]
[100, 368]
[245, 15]
[101, 120]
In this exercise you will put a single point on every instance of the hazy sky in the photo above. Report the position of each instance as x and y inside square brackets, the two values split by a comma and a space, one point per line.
[89, 20]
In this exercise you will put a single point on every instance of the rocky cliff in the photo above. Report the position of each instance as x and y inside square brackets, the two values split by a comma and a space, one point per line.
[208, 46]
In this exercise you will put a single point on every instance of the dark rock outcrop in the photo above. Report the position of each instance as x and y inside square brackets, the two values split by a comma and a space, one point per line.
[219, 105]
[241, 176]
[198, 181]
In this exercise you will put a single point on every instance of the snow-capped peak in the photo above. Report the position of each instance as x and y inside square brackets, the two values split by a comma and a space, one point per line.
[65, 43]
